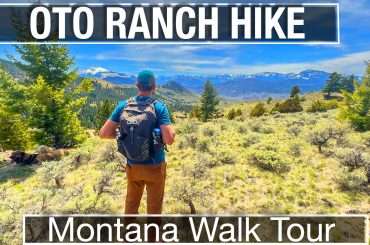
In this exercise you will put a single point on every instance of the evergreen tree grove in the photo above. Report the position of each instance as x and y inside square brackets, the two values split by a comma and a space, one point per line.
[51, 99]
[208, 102]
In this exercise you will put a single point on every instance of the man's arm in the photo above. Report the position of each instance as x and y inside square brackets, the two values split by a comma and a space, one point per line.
[164, 121]
[168, 134]
[108, 131]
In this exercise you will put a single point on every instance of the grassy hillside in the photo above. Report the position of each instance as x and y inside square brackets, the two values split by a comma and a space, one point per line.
[175, 98]
[245, 165]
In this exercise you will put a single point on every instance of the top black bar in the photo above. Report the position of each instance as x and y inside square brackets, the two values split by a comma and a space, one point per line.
[201, 23]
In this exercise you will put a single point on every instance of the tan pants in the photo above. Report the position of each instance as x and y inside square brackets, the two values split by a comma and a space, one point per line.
[150, 176]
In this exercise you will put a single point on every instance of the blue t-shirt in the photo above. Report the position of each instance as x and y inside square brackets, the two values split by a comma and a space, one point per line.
[163, 118]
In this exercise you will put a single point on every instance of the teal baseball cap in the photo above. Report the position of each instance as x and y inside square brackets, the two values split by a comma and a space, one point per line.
[146, 79]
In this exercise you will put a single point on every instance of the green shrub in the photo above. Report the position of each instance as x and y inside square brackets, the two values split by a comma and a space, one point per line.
[353, 159]
[190, 140]
[295, 149]
[208, 132]
[108, 153]
[258, 110]
[196, 170]
[242, 129]
[226, 157]
[233, 113]
[203, 145]
[289, 106]
[294, 130]
[249, 140]
[351, 181]
[270, 160]
[322, 106]
[238, 112]
[188, 128]
[266, 130]
[208, 160]
[321, 136]
[255, 126]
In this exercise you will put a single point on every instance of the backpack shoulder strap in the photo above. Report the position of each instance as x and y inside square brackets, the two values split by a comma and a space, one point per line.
[152, 104]
[151, 101]
[147, 102]
[131, 100]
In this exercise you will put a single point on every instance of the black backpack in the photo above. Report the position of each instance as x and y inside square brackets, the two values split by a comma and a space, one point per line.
[137, 122]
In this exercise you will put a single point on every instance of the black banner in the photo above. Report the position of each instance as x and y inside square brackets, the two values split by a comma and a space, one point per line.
[218, 23]
[195, 229]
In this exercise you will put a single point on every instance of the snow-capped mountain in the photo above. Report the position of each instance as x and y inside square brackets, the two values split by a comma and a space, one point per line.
[110, 76]
[229, 85]
[275, 84]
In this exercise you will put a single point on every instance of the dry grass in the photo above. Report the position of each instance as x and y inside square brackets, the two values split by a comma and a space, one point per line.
[217, 158]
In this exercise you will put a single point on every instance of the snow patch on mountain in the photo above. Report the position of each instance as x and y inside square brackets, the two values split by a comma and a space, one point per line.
[94, 71]
[229, 85]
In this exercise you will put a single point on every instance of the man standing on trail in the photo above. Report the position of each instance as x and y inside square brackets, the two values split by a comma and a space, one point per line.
[144, 130]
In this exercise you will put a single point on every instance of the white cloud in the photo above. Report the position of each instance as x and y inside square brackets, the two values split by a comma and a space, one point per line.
[349, 64]
[186, 59]
[94, 70]
[170, 54]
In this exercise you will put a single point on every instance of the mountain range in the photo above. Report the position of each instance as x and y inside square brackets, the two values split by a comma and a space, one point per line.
[114, 87]
[245, 86]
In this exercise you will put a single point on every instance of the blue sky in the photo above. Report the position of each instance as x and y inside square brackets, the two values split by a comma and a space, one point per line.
[348, 57]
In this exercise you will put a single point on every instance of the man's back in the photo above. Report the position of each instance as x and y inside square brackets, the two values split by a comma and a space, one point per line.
[162, 118]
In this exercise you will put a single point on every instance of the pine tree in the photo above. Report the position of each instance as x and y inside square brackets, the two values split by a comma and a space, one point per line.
[52, 62]
[55, 115]
[15, 133]
[53, 98]
[209, 102]
[356, 105]
[295, 91]
[333, 84]
[269, 100]
[348, 83]
[103, 111]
